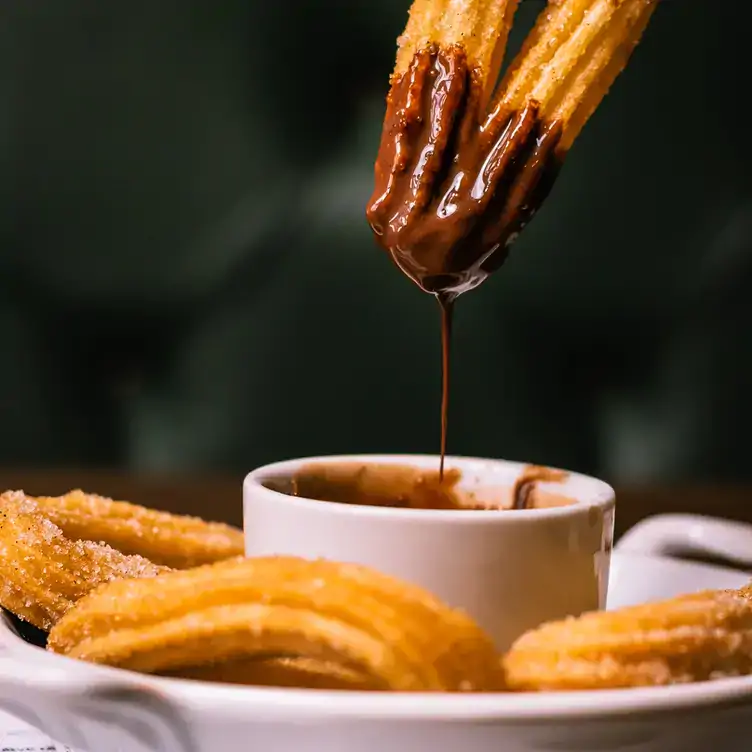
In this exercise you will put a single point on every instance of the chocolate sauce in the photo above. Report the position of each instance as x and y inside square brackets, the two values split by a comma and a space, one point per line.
[378, 485]
[409, 487]
[447, 308]
[455, 185]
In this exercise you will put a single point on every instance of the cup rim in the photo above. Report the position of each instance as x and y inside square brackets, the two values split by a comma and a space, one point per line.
[593, 493]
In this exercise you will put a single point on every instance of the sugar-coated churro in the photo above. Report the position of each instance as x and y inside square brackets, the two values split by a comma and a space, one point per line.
[169, 539]
[398, 635]
[43, 573]
[692, 638]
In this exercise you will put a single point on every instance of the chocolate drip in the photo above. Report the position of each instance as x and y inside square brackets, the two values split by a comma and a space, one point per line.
[454, 187]
[447, 310]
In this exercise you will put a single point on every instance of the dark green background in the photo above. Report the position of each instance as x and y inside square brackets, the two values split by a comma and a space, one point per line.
[187, 281]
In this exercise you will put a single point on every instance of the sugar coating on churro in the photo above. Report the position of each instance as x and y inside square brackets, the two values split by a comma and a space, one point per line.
[42, 573]
[396, 634]
[173, 540]
[691, 638]
[571, 58]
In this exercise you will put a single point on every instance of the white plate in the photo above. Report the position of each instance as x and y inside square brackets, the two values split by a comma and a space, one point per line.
[97, 708]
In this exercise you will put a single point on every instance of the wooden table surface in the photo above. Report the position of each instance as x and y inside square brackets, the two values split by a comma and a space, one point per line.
[220, 497]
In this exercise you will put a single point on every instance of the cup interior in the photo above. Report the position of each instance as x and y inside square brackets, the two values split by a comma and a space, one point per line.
[412, 482]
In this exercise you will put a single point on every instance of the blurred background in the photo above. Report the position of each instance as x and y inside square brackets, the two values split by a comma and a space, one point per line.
[188, 284]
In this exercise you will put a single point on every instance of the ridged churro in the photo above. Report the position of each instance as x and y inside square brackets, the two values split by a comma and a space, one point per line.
[172, 540]
[692, 638]
[480, 27]
[396, 634]
[570, 60]
[43, 573]
[457, 178]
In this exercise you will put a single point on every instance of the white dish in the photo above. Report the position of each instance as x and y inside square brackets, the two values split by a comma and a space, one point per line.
[95, 708]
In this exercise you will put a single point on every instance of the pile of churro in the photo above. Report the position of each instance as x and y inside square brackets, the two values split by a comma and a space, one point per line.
[463, 163]
[117, 584]
[94, 575]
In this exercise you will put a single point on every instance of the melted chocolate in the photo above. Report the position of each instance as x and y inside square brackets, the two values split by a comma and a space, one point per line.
[447, 307]
[453, 185]
[399, 486]
[407, 487]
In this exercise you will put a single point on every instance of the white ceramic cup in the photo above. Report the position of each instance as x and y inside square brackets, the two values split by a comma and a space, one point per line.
[510, 570]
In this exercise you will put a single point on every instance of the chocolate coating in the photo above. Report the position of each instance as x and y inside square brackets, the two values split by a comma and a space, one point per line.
[453, 186]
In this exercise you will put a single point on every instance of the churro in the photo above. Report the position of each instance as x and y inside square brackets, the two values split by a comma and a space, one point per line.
[172, 540]
[571, 58]
[398, 635]
[457, 178]
[479, 27]
[692, 638]
[43, 573]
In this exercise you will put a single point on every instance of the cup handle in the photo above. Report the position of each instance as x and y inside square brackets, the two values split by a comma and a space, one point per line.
[686, 535]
